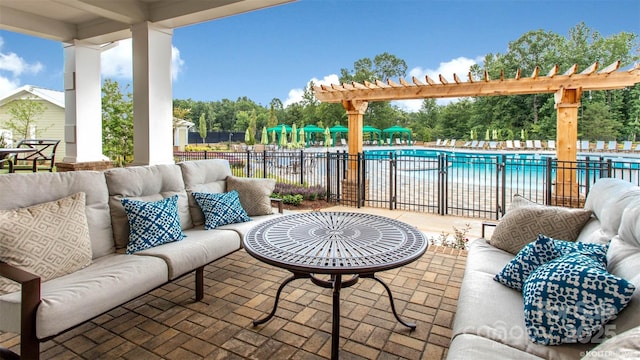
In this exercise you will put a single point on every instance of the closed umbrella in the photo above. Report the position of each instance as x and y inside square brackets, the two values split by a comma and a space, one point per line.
[294, 134]
[264, 139]
[327, 137]
[273, 136]
[247, 136]
[283, 137]
[302, 142]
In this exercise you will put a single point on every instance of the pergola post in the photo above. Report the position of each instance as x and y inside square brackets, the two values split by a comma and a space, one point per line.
[355, 114]
[567, 102]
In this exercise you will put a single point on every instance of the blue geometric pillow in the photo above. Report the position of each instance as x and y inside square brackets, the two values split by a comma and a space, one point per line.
[152, 223]
[221, 209]
[526, 261]
[540, 252]
[570, 298]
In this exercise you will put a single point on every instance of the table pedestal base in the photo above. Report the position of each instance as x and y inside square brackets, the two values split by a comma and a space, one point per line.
[336, 284]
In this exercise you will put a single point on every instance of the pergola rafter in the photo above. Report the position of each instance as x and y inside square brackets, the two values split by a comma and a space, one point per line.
[567, 87]
[589, 79]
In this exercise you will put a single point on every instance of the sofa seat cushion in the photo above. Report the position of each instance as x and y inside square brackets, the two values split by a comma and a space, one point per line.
[621, 347]
[243, 228]
[49, 239]
[525, 220]
[198, 248]
[491, 310]
[469, 346]
[75, 298]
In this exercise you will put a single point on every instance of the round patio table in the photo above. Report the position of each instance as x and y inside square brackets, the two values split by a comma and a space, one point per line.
[334, 244]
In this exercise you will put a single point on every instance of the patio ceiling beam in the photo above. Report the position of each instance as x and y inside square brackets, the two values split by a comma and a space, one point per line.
[589, 79]
[127, 12]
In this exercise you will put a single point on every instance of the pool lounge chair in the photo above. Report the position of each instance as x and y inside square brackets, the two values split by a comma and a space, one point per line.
[480, 145]
[612, 146]
[637, 148]
[493, 145]
[508, 144]
[599, 145]
[584, 145]
[551, 145]
[626, 146]
[466, 144]
[474, 144]
[516, 144]
[529, 144]
[444, 142]
[438, 142]
[537, 144]
[453, 143]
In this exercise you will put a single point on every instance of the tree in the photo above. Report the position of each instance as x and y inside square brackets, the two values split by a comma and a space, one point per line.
[23, 116]
[117, 123]
[202, 127]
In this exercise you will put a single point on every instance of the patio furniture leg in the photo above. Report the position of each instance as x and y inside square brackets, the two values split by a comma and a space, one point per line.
[335, 330]
[412, 326]
[199, 283]
[275, 304]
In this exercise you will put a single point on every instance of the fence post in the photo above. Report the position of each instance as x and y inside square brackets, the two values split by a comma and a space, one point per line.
[503, 198]
[391, 177]
[358, 182]
[248, 163]
[301, 167]
[328, 172]
[587, 178]
[205, 154]
[549, 186]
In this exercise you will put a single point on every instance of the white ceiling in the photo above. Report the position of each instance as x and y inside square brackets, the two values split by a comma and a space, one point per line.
[102, 21]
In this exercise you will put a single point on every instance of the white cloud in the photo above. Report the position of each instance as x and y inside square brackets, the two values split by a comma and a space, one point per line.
[116, 62]
[295, 95]
[12, 66]
[458, 66]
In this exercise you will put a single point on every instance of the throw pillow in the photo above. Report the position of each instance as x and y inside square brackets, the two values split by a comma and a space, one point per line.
[522, 224]
[152, 223]
[540, 252]
[49, 239]
[570, 298]
[254, 194]
[221, 209]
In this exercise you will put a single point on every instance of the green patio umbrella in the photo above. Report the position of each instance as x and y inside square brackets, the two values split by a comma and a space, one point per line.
[311, 130]
[294, 134]
[283, 136]
[336, 129]
[264, 138]
[397, 130]
[375, 132]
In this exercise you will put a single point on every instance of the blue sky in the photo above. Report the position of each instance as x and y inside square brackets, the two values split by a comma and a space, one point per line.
[274, 53]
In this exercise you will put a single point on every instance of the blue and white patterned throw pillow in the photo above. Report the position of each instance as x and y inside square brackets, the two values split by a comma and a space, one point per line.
[221, 209]
[152, 223]
[526, 261]
[540, 252]
[570, 299]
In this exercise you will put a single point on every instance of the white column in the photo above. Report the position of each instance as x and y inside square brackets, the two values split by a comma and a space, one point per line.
[152, 95]
[83, 103]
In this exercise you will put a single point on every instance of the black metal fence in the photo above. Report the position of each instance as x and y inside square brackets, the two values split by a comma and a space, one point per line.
[463, 184]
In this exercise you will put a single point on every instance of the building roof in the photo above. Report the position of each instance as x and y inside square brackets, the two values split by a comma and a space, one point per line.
[53, 96]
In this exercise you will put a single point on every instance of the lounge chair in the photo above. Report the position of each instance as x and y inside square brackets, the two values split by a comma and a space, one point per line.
[584, 144]
[474, 144]
[529, 144]
[637, 148]
[599, 145]
[444, 142]
[508, 145]
[438, 142]
[537, 144]
[516, 144]
[551, 145]
[493, 145]
[453, 143]
[398, 141]
[466, 144]
[626, 146]
[481, 145]
[612, 146]
[343, 142]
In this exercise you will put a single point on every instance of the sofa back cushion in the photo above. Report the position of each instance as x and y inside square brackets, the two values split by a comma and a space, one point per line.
[607, 199]
[23, 190]
[206, 176]
[146, 183]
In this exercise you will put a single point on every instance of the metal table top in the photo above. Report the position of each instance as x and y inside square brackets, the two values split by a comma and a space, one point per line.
[335, 243]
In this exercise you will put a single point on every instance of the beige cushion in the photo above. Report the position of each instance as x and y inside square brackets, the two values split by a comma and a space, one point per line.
[623, 346]
[254, 194]
[525, 220]
[49, 239]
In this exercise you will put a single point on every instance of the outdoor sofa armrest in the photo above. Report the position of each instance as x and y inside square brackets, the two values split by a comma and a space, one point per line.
[484, 226]
[277, 202]
[30, 299]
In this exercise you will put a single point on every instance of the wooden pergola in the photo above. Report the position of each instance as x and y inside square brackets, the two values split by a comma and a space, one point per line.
[567, 87]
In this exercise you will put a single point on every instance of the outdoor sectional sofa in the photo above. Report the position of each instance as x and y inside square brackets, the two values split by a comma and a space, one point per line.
[45, 309]
[490, 319]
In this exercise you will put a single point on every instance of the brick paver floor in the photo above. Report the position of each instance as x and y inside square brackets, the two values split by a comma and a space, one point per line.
[168, 324]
